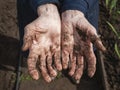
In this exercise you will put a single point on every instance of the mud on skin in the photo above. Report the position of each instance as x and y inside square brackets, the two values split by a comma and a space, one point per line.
[76, 47]
[42, 38]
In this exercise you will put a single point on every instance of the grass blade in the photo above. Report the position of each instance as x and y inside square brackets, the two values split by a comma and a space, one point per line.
[113, 5]
[107, 2]
[112, 28]
[118, 12]
[117, 50]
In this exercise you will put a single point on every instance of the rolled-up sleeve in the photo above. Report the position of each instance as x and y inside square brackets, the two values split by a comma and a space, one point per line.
[35, 3]
[81, 5]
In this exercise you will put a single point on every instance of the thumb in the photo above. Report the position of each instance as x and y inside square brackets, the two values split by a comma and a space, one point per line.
[26, 44]
[84, 26]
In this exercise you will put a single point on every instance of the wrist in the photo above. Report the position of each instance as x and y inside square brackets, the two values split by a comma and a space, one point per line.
[72, 14]
[47, 9]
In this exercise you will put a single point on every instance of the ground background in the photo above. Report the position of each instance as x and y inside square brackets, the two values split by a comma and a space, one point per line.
[109, 38]
[9, 37]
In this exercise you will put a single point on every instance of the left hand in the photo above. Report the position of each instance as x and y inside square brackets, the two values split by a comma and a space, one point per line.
[75, 47]
[42, 38]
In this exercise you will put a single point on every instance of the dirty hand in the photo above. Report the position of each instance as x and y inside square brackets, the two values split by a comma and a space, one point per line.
[42, 38]
[78, 35]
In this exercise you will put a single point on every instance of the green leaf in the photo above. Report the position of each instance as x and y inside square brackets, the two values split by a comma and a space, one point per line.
[113, 5]
[118, 12]
[113, 29]
[117, 50]
[59, 75]
[107, 2]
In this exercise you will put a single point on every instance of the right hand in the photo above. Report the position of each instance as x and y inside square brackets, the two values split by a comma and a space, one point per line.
[77, 47]
[42, 38]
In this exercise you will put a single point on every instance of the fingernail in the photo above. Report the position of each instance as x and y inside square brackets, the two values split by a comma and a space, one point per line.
[90, 74]
[71, 73]
[65, 67]
[54, 73]
[35, 76]
[24, 47]
[52, 78]
[49, 80]
[104, 49]
[77, 81]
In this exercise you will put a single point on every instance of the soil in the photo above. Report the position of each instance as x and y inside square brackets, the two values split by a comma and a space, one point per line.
[8, 21]
[111, 60]
[9, 46]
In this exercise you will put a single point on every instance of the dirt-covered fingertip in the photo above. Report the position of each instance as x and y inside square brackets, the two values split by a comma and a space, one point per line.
[65, 66]
[25, 47]
[52, 78]
[53, 73]
[34, 74]
[71, 73]
[77, 81]
[100, 46]
[48, 80]
[91, 74]
[59, 67]
[103, 49]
